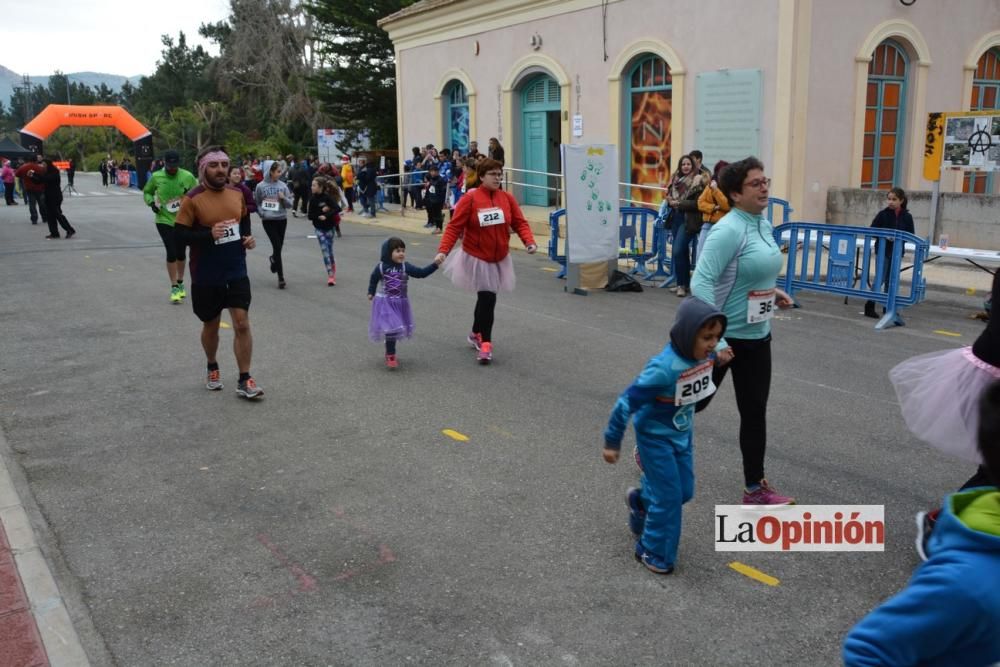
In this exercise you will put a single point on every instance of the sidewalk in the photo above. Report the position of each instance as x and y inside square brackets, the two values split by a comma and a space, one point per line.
[35, 627]
[944, 275]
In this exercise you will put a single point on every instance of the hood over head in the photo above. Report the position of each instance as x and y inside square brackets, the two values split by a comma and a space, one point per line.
[386, 256]
[265, 168]
[691, 316]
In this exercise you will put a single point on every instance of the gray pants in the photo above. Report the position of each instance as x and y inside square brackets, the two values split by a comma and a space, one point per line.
[37, 199]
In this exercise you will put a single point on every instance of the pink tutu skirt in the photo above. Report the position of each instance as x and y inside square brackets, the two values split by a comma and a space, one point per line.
[939, 397]
[475, 275]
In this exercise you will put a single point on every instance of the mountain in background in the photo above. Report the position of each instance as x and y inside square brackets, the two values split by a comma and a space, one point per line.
[9, 79]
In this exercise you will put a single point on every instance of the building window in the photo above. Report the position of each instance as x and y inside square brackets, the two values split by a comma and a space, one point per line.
[649, 114]
[985, 97]
[458, 117]
[885, 113]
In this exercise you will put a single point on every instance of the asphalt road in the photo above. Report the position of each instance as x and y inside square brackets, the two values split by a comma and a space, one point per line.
[333, 523]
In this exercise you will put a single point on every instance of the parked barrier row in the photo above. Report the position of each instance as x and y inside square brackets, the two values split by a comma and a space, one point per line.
[857, 262]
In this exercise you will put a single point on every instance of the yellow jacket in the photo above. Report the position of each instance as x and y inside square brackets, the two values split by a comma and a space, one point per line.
[712, 204]
[347, 173]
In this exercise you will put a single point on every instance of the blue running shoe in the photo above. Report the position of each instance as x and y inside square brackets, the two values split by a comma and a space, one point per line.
[636, 511]
[652, 562]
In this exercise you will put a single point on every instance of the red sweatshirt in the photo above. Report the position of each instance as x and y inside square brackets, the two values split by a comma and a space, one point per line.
[30, 184]
[483, 218]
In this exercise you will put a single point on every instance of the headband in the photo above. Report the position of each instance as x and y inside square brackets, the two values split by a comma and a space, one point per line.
[214, 156]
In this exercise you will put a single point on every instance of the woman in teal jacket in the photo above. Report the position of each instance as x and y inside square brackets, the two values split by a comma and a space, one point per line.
[738, 273]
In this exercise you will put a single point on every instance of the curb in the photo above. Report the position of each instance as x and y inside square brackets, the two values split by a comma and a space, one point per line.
[54, 636]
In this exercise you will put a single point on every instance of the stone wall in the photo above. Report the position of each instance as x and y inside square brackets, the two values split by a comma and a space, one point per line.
[970, 221]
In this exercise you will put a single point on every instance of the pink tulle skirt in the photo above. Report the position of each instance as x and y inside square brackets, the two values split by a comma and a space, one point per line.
[939, 397]
[475, 275]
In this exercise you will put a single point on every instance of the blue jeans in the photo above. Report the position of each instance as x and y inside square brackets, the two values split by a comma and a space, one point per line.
[667, 483]
[706, 227]
[683, 245]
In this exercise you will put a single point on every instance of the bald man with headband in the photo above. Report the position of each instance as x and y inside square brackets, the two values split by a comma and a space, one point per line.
[214, 222]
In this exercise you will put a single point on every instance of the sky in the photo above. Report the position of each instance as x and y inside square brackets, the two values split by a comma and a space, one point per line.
[107, 36]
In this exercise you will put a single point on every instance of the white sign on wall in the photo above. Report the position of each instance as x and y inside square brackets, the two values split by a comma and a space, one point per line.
[727, 114]
[591, 176]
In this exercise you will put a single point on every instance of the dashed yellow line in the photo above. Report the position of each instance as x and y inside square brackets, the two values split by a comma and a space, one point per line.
[225, 325]
[549, 269]
[754, 573]
[947, 333]
[455, 435]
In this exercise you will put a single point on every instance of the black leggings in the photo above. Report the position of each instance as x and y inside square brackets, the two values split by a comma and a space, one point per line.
[752, 384]
[275, 230]
[171, 241]
[482, 323]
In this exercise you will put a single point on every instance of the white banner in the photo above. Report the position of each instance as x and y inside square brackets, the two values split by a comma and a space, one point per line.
[591, 176]
[800, 528]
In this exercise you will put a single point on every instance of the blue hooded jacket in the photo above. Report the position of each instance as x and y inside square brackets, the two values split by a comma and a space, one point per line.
[649, 400]
[949, 613]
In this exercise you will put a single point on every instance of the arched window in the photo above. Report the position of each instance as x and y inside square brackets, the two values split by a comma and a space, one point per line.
[458, 117]
[649, 103]
[985, 97]
[885, 113]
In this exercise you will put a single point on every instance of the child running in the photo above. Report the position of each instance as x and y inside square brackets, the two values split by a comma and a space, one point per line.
[662, 401]
[391, 317]
[324, 213]
[950, 611]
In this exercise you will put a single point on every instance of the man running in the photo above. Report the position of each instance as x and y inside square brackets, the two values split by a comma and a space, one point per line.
[163, 193]
[213, 220]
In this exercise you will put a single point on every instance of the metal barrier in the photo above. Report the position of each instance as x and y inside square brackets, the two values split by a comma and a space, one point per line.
[841, 260]
[786, 210]
[638, 240]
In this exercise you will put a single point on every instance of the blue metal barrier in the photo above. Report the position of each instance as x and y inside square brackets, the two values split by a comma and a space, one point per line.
[841, 260]
[638, 240]
[786, 210]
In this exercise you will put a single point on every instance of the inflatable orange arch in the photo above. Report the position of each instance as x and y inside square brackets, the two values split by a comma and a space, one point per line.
[55, 116]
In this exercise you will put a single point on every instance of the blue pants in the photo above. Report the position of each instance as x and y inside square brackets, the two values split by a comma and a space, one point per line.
[681, 256]
[325, 239]
[667, 483]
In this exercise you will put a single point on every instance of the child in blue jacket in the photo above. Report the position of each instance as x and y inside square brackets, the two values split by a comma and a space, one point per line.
[949, 614]
[661, 402]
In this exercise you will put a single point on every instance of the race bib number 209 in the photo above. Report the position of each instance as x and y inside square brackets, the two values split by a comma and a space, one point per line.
[694, 384]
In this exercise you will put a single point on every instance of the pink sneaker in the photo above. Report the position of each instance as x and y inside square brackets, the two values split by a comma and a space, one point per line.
[485, 355]
[766, 495]
[475, 340]
[391, 361]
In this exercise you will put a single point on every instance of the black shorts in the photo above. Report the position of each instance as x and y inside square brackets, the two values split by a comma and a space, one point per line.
[209, 301]
[172, 242]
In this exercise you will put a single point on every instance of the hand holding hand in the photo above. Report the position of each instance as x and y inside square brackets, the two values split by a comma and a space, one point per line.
[610, 455]
[438, 258]
[723, 357]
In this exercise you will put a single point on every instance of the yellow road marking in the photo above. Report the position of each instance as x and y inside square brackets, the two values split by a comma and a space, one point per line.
[225, 325]
[549, 269]
[947, 333]
[455, 435]
[971, 291]
[754, 573]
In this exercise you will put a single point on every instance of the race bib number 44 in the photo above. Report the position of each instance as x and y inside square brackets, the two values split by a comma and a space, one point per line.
[231, 233]
[491, 216]
[760, 306]
[694, 384]
[270, 204]
[173, 205]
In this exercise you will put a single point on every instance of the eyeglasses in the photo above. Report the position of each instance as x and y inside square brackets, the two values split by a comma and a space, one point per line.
[757, 183]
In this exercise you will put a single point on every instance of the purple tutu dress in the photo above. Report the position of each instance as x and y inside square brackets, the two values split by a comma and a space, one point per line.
[391, 313]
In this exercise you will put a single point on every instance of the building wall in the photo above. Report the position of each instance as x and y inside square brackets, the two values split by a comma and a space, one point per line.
[840, 29]
[808, 50]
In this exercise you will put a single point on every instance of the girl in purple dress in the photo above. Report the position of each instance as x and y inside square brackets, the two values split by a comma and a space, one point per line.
[392, 318]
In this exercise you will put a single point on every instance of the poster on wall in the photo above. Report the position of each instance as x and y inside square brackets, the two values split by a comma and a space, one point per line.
[972, 142]
[590, 173]
[650, 145]
[727, 114]
[459, 129]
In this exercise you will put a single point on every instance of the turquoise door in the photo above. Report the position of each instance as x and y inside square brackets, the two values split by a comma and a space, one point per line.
[540, 97]
[535, 142]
